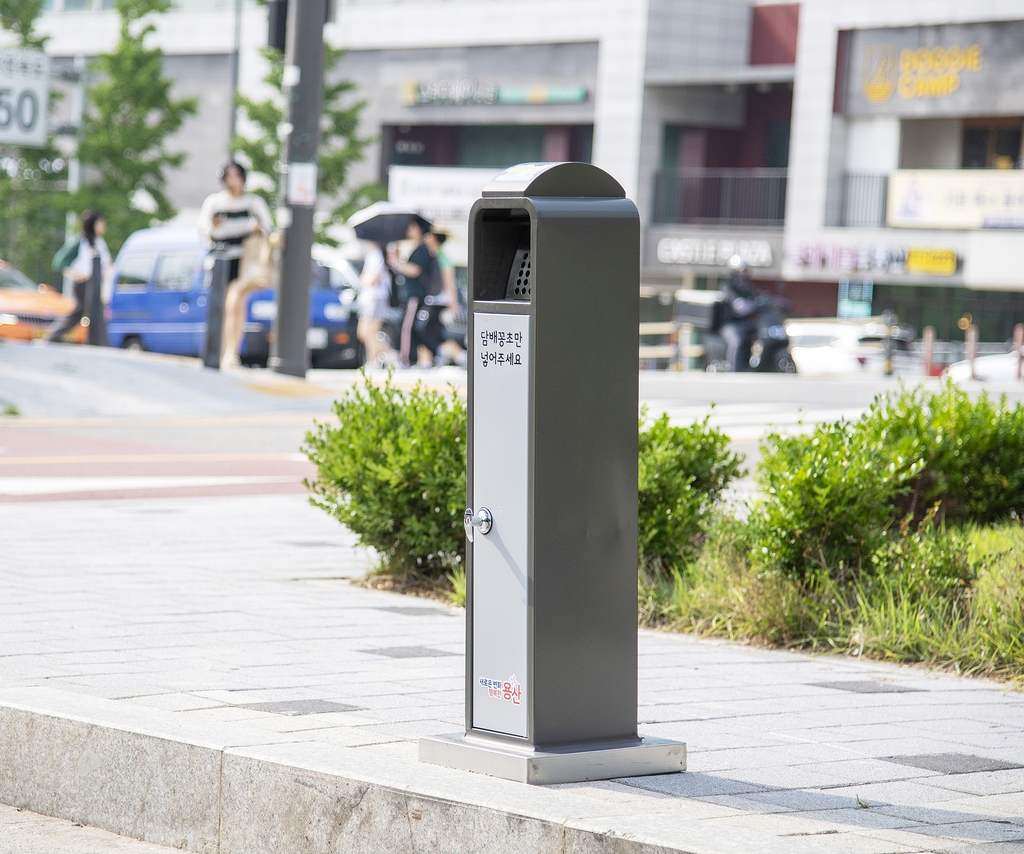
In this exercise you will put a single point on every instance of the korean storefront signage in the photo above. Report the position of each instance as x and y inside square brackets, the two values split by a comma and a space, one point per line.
[711, 252]
[872, 259]
[467, 91]
[956, 198]
[438, 191]
[941, 70]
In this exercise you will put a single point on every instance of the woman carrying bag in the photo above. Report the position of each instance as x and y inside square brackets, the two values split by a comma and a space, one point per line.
[88, 271]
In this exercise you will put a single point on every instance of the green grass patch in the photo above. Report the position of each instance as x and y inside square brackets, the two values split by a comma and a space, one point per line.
[951, 598]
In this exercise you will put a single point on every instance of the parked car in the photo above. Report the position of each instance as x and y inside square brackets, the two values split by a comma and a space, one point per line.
[161, 284]
[826, 346]
[1001, 367]
[28, 308]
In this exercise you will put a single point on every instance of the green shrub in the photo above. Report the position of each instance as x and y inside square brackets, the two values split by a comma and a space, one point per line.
[972, 453]
[394, 472]
[832, 498]
[827, 499]
[682, 474]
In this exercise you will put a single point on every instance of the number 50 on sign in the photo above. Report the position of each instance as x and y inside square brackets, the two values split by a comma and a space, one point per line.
[24, 96]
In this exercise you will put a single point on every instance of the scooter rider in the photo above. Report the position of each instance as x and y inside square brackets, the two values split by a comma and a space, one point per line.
[740, 322]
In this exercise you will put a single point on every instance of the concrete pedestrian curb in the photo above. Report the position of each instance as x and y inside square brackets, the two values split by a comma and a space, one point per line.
[208, 788]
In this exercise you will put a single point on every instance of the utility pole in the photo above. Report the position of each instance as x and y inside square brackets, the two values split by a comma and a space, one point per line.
[235, 58]
[303, 86]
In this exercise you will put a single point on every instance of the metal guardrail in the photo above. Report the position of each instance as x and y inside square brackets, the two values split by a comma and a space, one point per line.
[674, 352]
[721, 196]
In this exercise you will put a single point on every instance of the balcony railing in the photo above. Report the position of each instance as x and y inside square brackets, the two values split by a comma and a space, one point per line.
[863, 202]
[751, 197]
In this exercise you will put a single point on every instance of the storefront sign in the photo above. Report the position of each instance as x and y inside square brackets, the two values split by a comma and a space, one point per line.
[932, 262]
[467, 91]
[879, 259]
[942, 70]
[438, 191]
[711, 252]
[956, 198]
[922, 73]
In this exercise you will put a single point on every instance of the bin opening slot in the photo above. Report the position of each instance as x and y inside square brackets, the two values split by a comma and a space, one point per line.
[503, 256]
[519, 279]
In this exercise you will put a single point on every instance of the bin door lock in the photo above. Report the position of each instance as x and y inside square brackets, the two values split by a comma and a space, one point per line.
[482, 520]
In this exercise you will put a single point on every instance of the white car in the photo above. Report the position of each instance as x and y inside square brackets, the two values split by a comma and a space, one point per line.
[1001, 367]
[825, 346]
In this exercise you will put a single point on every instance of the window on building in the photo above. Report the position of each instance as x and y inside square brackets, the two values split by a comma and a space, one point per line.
[491, 146]
[992, 143]
[502, 145]
[777, 145]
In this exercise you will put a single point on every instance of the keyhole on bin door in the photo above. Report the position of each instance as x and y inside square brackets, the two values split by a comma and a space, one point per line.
[481, 520]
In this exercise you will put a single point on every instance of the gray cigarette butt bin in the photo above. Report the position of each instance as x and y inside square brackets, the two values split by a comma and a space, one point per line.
[551, 518]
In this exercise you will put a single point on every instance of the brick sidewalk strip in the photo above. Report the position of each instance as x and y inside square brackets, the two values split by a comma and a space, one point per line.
[200, 672]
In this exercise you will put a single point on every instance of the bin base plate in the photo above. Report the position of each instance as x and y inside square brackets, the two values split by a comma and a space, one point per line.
[570, 764]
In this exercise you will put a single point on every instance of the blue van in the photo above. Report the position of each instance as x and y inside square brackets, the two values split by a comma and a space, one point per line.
[160, 288]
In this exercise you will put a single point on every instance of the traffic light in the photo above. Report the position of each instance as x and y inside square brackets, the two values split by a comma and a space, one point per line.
[277, 19]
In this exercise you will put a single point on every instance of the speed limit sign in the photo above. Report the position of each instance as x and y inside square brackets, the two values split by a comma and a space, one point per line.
[24, 96]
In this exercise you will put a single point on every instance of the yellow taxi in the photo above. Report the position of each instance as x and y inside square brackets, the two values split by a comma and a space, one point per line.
[27, 309]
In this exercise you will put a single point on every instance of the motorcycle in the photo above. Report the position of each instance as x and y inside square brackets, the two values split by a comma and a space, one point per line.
[769, 345]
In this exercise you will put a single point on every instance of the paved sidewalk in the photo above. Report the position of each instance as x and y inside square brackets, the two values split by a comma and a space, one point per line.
[25, 832]
[231, 624]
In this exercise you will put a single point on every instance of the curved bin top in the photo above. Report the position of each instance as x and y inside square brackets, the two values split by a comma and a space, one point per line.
[568, 180]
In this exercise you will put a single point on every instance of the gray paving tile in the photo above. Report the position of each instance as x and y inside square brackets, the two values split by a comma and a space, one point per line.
[219, 621]
[299, 707]
[408, 652]
[976, 831]
[692, 785]
[985, 783]
[866, 686]
[953, 763]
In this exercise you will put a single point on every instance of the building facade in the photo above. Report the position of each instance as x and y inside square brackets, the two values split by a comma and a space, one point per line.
[905, 160]
[855, 146]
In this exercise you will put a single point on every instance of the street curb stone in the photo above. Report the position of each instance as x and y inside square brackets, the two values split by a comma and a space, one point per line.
[218, 789]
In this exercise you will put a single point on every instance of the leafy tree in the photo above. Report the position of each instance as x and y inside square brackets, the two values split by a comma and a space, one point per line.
[33, 181]
[340, 144]
[19, 17]
[129, 117]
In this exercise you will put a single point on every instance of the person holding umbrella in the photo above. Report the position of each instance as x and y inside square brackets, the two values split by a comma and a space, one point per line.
[387, 222]
[373, 303]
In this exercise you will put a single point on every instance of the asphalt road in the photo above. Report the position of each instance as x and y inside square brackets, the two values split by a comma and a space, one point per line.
[106, 423]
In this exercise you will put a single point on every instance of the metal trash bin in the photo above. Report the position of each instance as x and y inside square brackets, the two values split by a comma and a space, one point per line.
[551, 673]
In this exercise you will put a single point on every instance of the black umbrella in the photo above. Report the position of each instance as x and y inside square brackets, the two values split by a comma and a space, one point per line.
[385, 222]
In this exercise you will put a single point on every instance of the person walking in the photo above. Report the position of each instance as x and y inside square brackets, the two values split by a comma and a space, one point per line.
[86, 278]
[373, 303]
[417, 272]
[228, 219]
[442, 297]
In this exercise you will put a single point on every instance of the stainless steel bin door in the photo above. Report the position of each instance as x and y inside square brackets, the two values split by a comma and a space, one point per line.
[501, 389]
